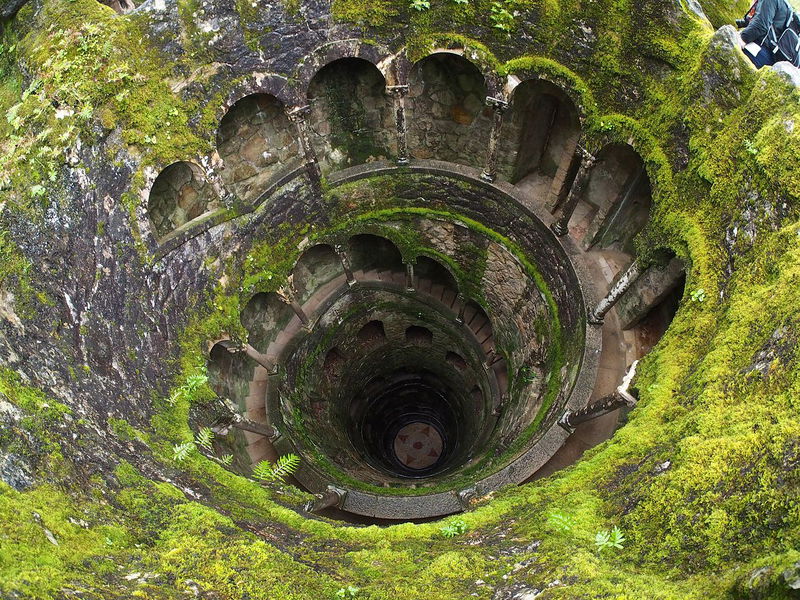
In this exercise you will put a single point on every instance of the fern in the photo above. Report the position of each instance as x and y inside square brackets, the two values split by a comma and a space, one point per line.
[226, 459]
[609, 539]
[283, 467]
[181, 451]
[205, 438]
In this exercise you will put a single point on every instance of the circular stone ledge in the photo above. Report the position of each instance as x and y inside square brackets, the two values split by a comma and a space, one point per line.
[551, 436]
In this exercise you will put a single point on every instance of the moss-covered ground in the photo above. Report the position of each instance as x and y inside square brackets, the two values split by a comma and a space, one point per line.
[703, 480]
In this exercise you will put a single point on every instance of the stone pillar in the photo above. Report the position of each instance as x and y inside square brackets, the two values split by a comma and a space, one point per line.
[298, 116]
[399, 93]
[499, 107]
[345, 260]
[286, 293]
[617, 399]
[615, 293]
[262, 359]
[211, 166]
[409, 277]
[560, 227]
[462, 301]
[228, 416]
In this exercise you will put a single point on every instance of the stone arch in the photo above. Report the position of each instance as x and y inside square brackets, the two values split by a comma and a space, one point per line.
[616, 203]
[310, 65]
[316, 266]
[447, 114]
[541, 131]
[351, 118]
[568, 82]
[180, 194]
[370, 252]
[258, 83]
[255, 140]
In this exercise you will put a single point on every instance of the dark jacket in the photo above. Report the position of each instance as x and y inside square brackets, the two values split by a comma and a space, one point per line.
[768, 12]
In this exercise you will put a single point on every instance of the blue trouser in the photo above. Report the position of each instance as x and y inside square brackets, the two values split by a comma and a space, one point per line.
[764, 58]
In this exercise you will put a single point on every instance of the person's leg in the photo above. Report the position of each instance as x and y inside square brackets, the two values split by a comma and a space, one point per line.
[763, 59]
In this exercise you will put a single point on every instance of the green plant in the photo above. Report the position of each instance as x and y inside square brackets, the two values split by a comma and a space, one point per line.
[189, 388]
[283, 467]
[454, 528]
[226, 459]
[501, 18]
[204, 438]
[420, 4]
[609, 539]
[349, 592]
[181, 451]
[527, 375]
[698, 295]
[558, 520]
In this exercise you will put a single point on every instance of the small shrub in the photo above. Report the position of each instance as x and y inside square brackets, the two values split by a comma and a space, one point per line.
[454, 528]
[420, 5]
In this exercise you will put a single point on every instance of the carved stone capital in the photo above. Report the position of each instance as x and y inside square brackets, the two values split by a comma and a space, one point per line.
[496, 104]
[397, 91]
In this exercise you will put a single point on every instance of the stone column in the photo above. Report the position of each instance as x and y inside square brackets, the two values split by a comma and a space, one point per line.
[617, 399]
[345, 260]
[298, 116]
[462, 307]
[399, 93]
[499, 107]
[227, 416]
[560, 227]
[409, 277]
[286, 293]
[332, 496]
[211, 166]
[615, 293]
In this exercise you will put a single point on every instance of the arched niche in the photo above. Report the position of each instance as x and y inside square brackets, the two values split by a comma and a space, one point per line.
[430, 273]
[540, 132]
[255, 141]
[421, 336]
[229, 374]
[616, 203]
[317, 266]
[264, 317]
[369, 252]
[371, 332]
[447, 116]
[351, 117]
[179, 194]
